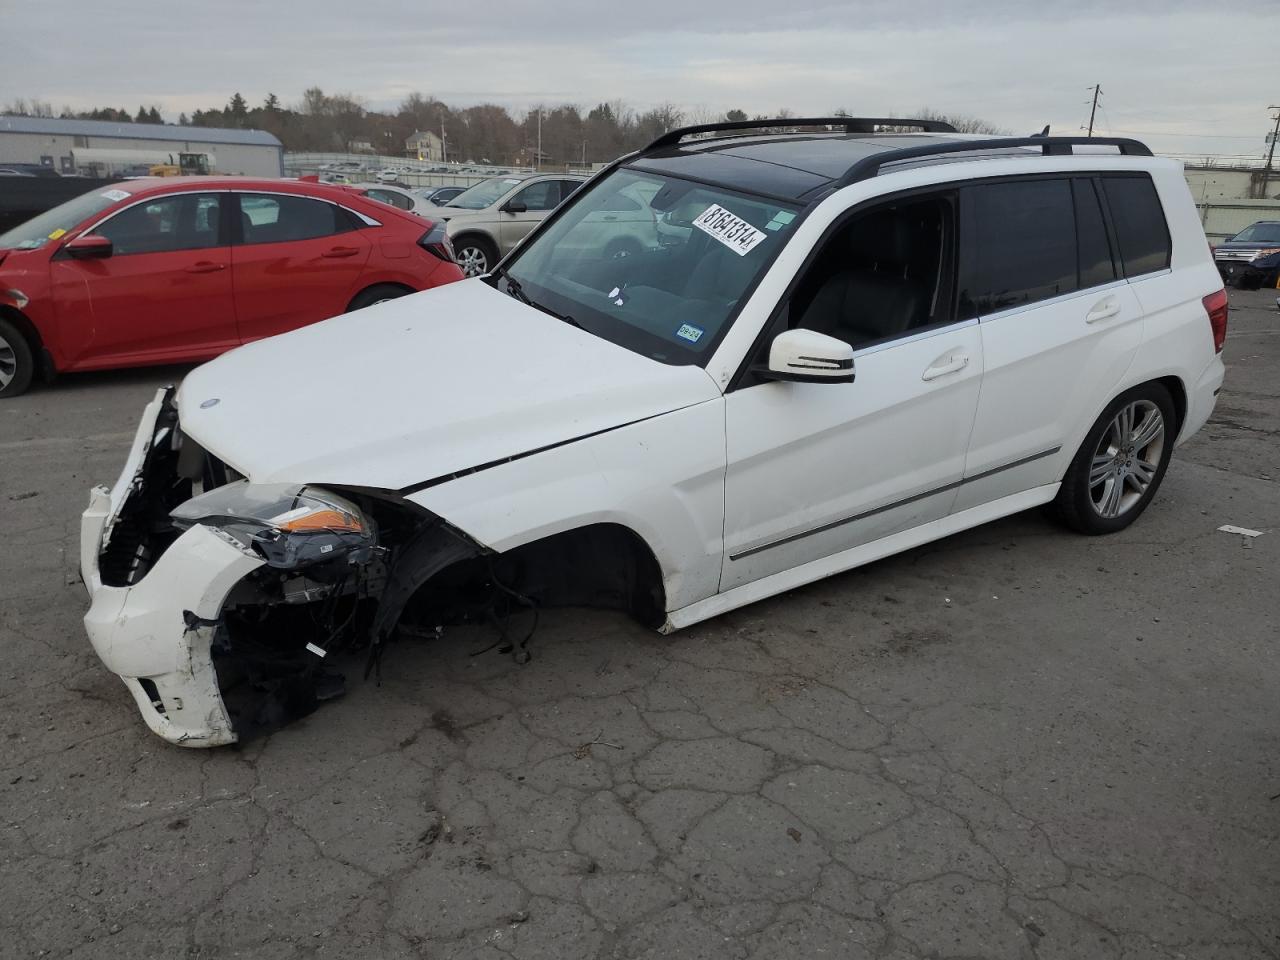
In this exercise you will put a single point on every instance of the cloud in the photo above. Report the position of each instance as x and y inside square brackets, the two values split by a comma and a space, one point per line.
[1016, 64]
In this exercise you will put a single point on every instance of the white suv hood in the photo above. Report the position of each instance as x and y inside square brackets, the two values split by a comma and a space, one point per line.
[420, 387]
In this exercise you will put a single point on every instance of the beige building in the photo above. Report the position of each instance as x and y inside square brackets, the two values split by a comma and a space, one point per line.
[424, 145]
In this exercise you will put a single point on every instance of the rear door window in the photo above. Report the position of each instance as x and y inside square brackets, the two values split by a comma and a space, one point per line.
[279, 218]
[1139, 223]
[390, 196]
[1019, 244]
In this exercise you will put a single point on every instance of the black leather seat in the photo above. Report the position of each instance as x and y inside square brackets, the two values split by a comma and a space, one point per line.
[875, 295]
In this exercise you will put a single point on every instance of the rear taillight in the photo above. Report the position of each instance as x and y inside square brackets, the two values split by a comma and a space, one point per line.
[436, 242]
[1215, 304]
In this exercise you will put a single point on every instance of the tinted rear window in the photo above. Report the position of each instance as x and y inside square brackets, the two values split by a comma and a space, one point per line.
[1139, 223]
[1019, 244]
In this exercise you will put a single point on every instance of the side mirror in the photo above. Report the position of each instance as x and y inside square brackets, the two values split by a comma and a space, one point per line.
[89, 247]
[514, 206]
[806, 356]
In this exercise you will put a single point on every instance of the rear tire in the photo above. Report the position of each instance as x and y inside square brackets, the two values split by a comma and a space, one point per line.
[376, 294]
[17, 361]
[1120, 464]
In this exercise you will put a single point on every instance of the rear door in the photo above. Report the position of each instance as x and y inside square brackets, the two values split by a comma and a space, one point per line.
[1059, 326]
[296, 260]
[163, 294]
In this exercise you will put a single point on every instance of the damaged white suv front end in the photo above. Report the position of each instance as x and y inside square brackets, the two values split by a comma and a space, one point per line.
[202, 582]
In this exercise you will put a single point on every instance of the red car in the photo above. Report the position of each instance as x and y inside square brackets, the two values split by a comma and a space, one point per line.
[181, 270]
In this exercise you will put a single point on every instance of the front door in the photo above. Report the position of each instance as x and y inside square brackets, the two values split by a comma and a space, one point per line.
[297, 260]
[163, 295]
[815, 469]
[538, 200]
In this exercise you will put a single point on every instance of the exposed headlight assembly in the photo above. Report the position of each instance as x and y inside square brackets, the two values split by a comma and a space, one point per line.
[289, 525]
[1264, 253]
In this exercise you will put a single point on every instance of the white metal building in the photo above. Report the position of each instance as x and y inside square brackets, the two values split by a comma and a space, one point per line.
[104, 148]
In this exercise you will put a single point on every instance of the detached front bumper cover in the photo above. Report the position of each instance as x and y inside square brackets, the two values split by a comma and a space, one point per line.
[170, 577]
[156, 634]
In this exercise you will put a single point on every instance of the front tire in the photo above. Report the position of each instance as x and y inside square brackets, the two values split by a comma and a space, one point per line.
[17, 362]
[475, 255]
[1118, 468]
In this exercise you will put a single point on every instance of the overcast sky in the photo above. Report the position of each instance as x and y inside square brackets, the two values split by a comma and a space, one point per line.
[1188, 77]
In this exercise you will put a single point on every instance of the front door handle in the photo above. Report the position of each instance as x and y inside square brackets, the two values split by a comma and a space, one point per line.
[951, 363]
[341, 252]
[1103, 310]
[206, 266]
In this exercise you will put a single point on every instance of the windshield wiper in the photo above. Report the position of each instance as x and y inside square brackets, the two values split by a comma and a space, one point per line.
[513, 286]
[517, 291]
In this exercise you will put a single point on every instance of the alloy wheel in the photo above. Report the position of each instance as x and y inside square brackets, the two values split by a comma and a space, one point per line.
[473, 261]
[1127, 458]
[8, 363]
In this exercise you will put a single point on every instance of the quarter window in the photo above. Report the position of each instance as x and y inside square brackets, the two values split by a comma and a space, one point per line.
[187, 221]
[1139, 223]
[277, 218]
[1019, 246]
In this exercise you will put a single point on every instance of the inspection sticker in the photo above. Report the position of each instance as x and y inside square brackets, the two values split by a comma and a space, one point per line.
[734, 232]
[115, 195]
[689, 332]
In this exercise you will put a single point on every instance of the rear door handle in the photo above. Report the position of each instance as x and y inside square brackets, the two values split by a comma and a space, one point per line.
[1103, 310]
[341, 252]
[951, 363]
[206, 266]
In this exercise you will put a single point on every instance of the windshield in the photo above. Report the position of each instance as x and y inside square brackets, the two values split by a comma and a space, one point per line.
[52, 224]
[483, 193]
[655, 264]
[1259, 233]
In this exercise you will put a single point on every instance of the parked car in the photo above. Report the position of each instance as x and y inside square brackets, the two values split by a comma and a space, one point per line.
[438, 196]
[1251, 258]
[399, 197]
[862, 344]
[390, 175]
[488, 219]
[182, 269]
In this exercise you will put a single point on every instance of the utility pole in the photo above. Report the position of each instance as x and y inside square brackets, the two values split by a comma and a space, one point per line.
[1271, 151]
[1097, 89]
[444, 147]
[537, 161]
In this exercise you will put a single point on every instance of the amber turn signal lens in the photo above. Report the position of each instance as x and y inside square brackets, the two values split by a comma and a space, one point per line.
[327, 519]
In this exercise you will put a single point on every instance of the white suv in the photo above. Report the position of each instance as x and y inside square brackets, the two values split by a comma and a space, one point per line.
[840, 345]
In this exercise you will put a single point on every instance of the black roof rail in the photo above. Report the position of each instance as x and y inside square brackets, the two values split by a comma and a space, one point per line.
[850, 125]
[868, 167]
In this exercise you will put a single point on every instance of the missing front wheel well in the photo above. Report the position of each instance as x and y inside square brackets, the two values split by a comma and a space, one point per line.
[603, 565]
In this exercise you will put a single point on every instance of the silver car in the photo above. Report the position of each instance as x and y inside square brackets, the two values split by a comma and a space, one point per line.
[486, 220]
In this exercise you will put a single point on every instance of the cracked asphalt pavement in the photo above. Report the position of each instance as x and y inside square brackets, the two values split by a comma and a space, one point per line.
[1015, 743]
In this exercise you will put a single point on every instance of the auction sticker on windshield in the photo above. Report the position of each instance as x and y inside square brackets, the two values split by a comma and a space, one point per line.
[734, 232]
[116, 195]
